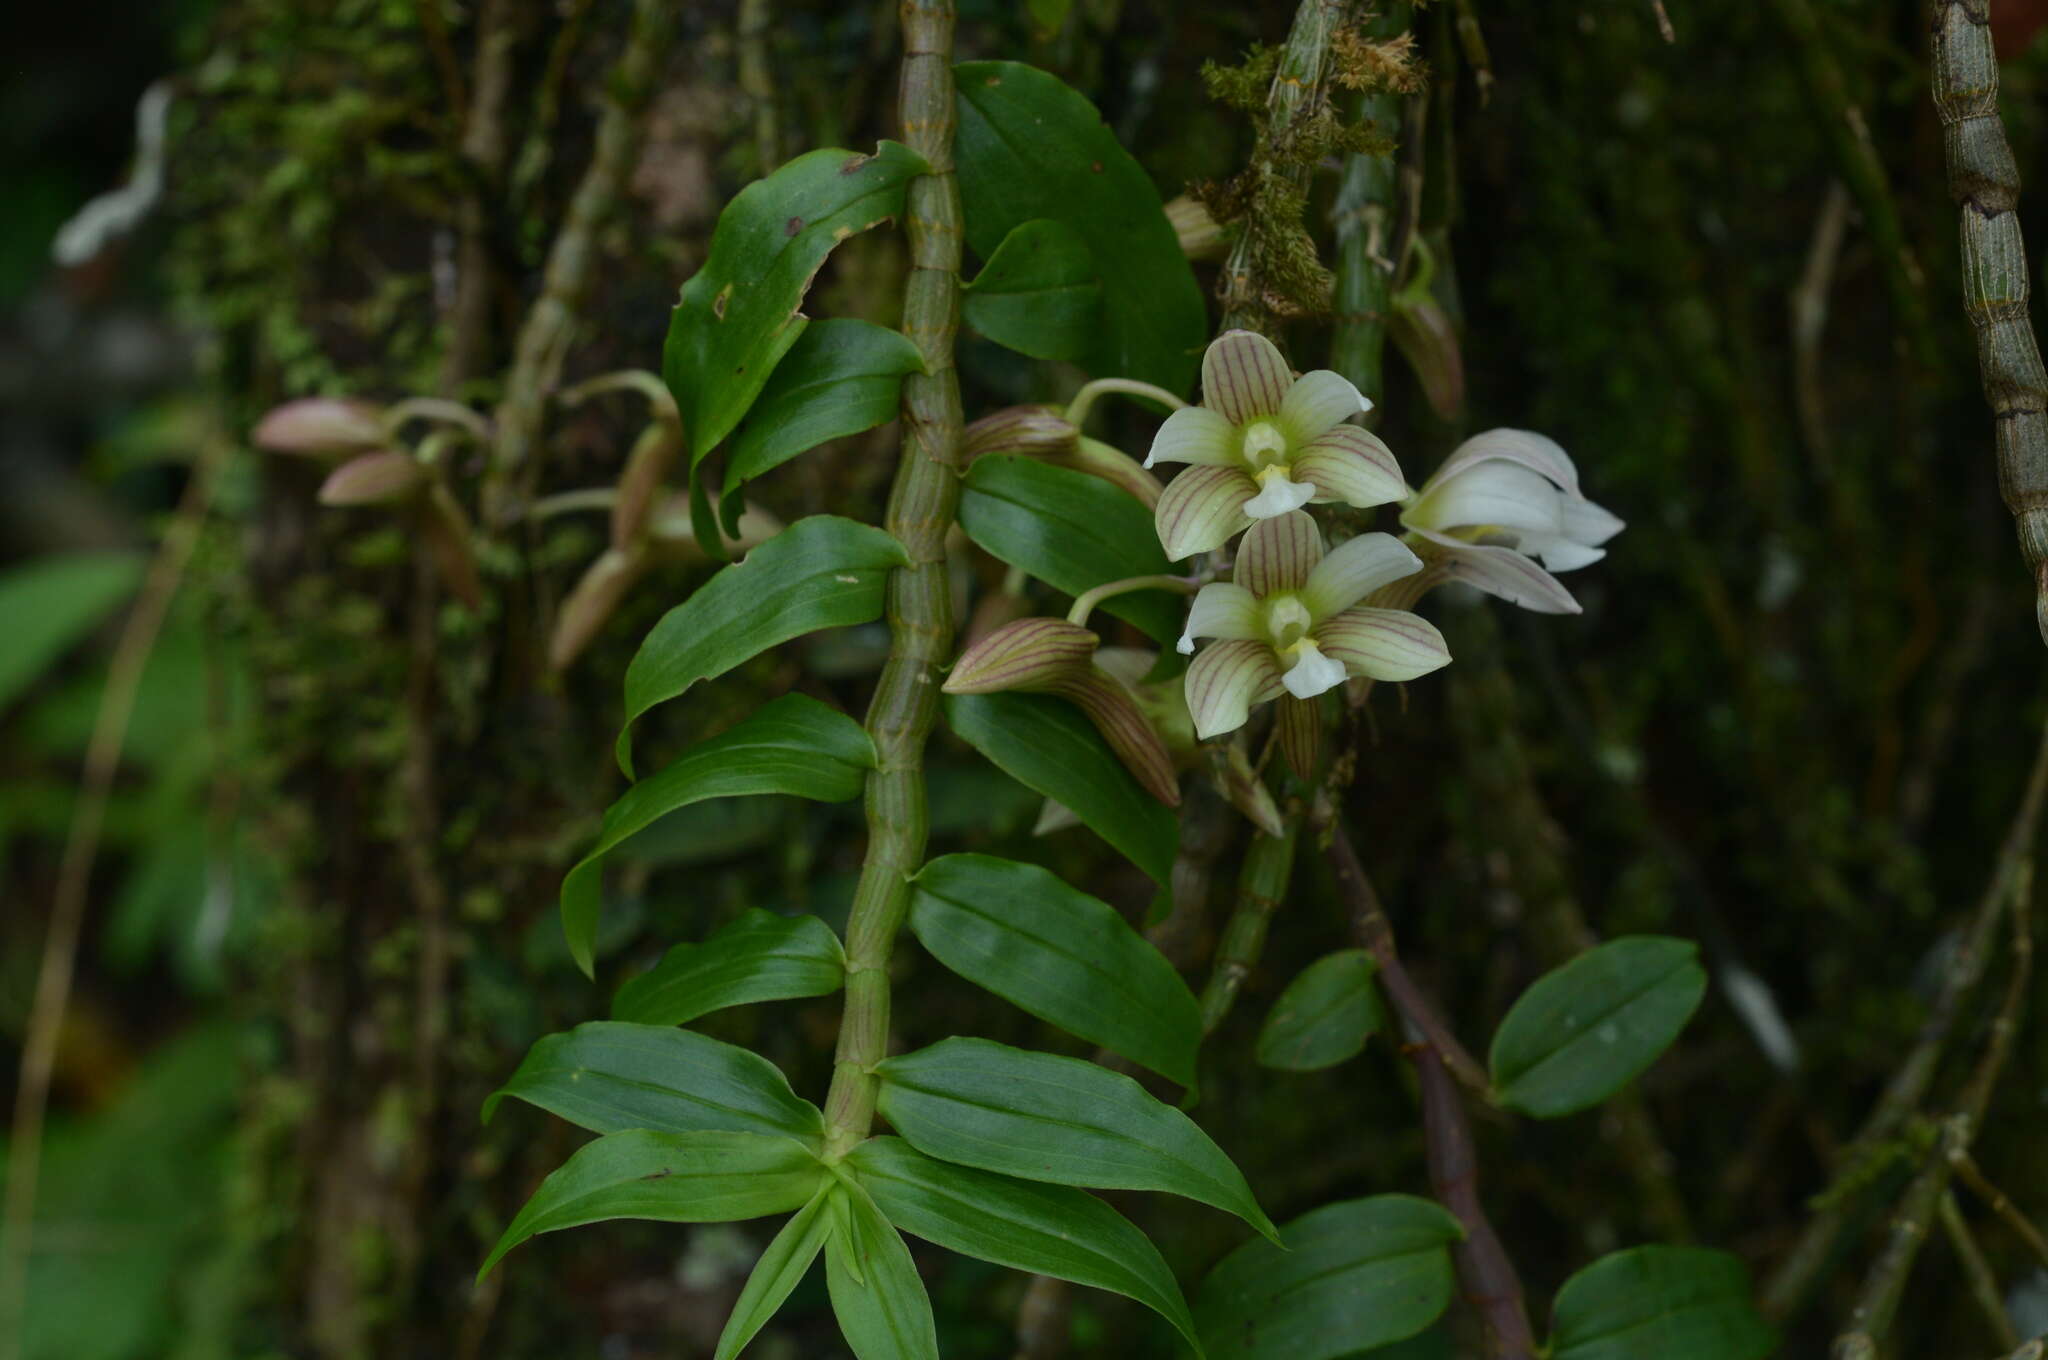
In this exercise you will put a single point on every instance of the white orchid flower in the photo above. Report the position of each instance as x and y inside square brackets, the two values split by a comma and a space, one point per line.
[1290, 623]
[1264, 443]
[1502, 501]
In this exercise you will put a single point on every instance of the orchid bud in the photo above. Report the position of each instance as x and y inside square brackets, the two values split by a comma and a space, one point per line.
[1428, 340]
[1117, 716]
[594, 600]
[1247, 792]
[374, 479]
[1116, 467]
[1201, 238]
[321, 427]
[1035, 431]
[1030, 654]
[654, 453]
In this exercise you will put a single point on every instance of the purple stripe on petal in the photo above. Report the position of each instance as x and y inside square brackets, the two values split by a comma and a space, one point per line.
[1244, 377]
[1278, 554]
[1383, 644]
[1225, 680]
[1201, 508]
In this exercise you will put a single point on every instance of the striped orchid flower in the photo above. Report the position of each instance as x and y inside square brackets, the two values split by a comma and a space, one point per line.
[1264, 443]
[1291, 622]
[1503, 501]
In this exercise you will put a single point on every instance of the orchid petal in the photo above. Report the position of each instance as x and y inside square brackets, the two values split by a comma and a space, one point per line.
[1539, 453]
[1559, 553]
[1244, 377]
[1194, 434]
[1354, 570]
[1383, 644]
[1590, 524]
[1317, 403]
[1225, 680]
[1503, 573]
[1278, 555]
[1202, 508]
[1222, 610]
[1278, 495]
[1351, 465]
[1312, 673]
[1494, 493]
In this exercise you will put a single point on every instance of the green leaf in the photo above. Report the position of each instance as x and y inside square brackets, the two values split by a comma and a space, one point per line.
[705, 1177]
[780, 1270]
[52, 602]
[821, 572]
[1045, 744]
[792, 745]
[1583, 1031]
[606, 1077]
[759, 957]
[841, 378]
[1068, 958]
[1046, 1229]
[1029, 147]
[1038, 294]
[1048, 1118]
[876, 1292]
[1355, 1274]
[1676, 1303]
[1325, 1015]
[738, 314]
[1072, 531]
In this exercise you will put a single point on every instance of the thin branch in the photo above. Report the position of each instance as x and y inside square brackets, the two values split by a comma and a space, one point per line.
[484, 148]
[1996, 1201]
[74, 879]
[1977, 1272]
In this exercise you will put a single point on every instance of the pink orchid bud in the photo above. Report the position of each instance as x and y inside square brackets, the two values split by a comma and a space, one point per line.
[1122, 723]
[1030, 654]
[321, 427]
[378, 478]
[594, 600]
[654, 453]
[1036, 431]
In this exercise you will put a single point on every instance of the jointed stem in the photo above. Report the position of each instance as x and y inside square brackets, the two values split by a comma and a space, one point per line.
[1261, 888]
[921, 506]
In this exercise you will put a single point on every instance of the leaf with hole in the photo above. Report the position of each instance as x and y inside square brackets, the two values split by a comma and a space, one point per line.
[738, 316]
[1676, 1303]
[1043, 1117]
[1072, 531]
[1356, 1274]
[877, 1295]
[608, 1077]
[1053, 1230]
[1583, 1031]
[1325, 1015]
[759, 957]
[1068, 958]
[821, 572]
[707, 1177]
[793, 745]
[1038, 294]
[779, 1271]
[1030, 147]
[840, 378]
[1045, 744]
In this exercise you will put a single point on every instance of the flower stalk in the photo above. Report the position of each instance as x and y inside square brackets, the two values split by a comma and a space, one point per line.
[921, 509]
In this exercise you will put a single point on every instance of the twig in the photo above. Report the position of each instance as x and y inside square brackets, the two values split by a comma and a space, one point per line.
[1664, 28]
[1809, 308]
[74, 879]
[550, 323]
[1996, 1201]
[1490, 1282]
[1984, 180]
[1261, 887]
[1472, 42]
[484, 148]
[1977, 1272]
[1908, 1085]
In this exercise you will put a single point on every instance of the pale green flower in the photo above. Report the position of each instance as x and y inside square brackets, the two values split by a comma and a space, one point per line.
[1264, 443]
[1290, 622]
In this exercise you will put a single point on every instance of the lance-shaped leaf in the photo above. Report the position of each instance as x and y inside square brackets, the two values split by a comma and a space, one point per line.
[1062, 1120]
[1051, 1230]
[793, 744]
[1045, 744]
[841, 378]
[877, 1295]
[1583, 1031]
[1325, 1015]
[671, 1178]
[738, 314]
[821, 572]
[781, 1268]
[1676, 1303]
[759, 957]
[1030, 147]
[1356, 1274]
[607, 1076]
[1038, 294]
[1072, 531]
[1068, 958]
[51, 603]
